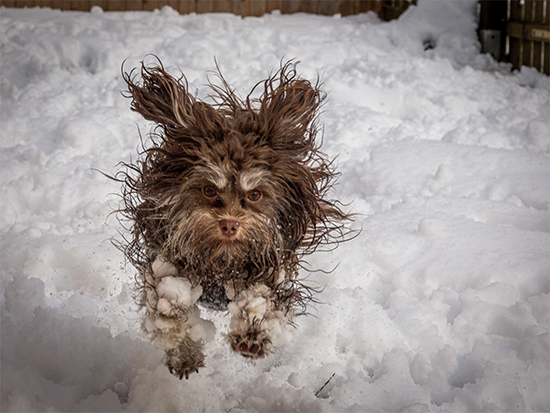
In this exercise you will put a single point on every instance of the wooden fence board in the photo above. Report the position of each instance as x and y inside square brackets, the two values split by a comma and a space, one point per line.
[185, 7]
[84, 5]
[99, 3]
[376, 6]
[529, 8]
[238, 8]
[290, 6]
[255, 8]
[172, 3]
[347, 7]
[132, 5]
[116, 5]
[146, 5]
[309, 6]
[273, 4]
[327, 8]
[223, 6]
[539, 10]
[60, 4]
[202, 6]
[515, 52]
[536, 55]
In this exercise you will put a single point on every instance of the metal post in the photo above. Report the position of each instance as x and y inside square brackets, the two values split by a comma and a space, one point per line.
[492, 27]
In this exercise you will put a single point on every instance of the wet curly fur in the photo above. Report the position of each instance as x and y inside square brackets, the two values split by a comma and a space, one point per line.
[224, 204]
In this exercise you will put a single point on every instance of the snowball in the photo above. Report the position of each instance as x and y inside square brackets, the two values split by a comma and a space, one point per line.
[538, 134]
[204, 330]
[256, 308]
[234, 308]
[513, 199]
[164, 306]
[431, 227]
[163, 268]
[165, 323]
[443, 173]
[178, 291]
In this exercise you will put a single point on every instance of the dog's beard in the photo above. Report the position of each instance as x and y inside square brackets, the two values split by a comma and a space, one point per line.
[197, 245]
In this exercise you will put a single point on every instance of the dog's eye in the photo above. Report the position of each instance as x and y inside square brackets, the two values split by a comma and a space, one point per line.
[209, 191]
[254, 196]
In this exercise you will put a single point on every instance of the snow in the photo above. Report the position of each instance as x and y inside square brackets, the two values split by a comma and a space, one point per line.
[441, 304]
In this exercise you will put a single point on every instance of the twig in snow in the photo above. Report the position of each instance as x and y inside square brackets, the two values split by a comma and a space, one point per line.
[324, 385]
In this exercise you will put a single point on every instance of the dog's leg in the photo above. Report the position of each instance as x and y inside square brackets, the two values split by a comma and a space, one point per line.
[258, 321]
[173, 319]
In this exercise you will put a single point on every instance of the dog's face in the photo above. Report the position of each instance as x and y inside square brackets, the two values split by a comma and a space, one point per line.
[225, 217]
[233, 189]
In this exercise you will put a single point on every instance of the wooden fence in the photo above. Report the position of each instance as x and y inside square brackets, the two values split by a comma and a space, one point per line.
[528, 31]
[511, 30]
[386, 9]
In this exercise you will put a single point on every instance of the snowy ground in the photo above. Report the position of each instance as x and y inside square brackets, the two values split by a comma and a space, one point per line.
[440, 305]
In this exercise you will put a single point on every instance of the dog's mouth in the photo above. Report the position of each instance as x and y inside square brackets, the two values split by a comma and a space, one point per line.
[230, 242]
[226, 244]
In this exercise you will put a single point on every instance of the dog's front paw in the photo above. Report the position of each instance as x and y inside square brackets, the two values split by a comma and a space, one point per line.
[185, 358]
[254, 344]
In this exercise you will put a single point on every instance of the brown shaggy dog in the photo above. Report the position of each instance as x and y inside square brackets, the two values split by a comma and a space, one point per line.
[224, 204]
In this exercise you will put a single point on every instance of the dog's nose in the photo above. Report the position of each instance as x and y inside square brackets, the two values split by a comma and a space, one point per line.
[229, 227]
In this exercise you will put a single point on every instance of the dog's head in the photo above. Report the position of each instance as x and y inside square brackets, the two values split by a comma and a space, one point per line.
[237, 187]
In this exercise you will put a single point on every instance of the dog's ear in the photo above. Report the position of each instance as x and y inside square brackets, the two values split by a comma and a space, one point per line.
[288, 110]
[165, 100]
